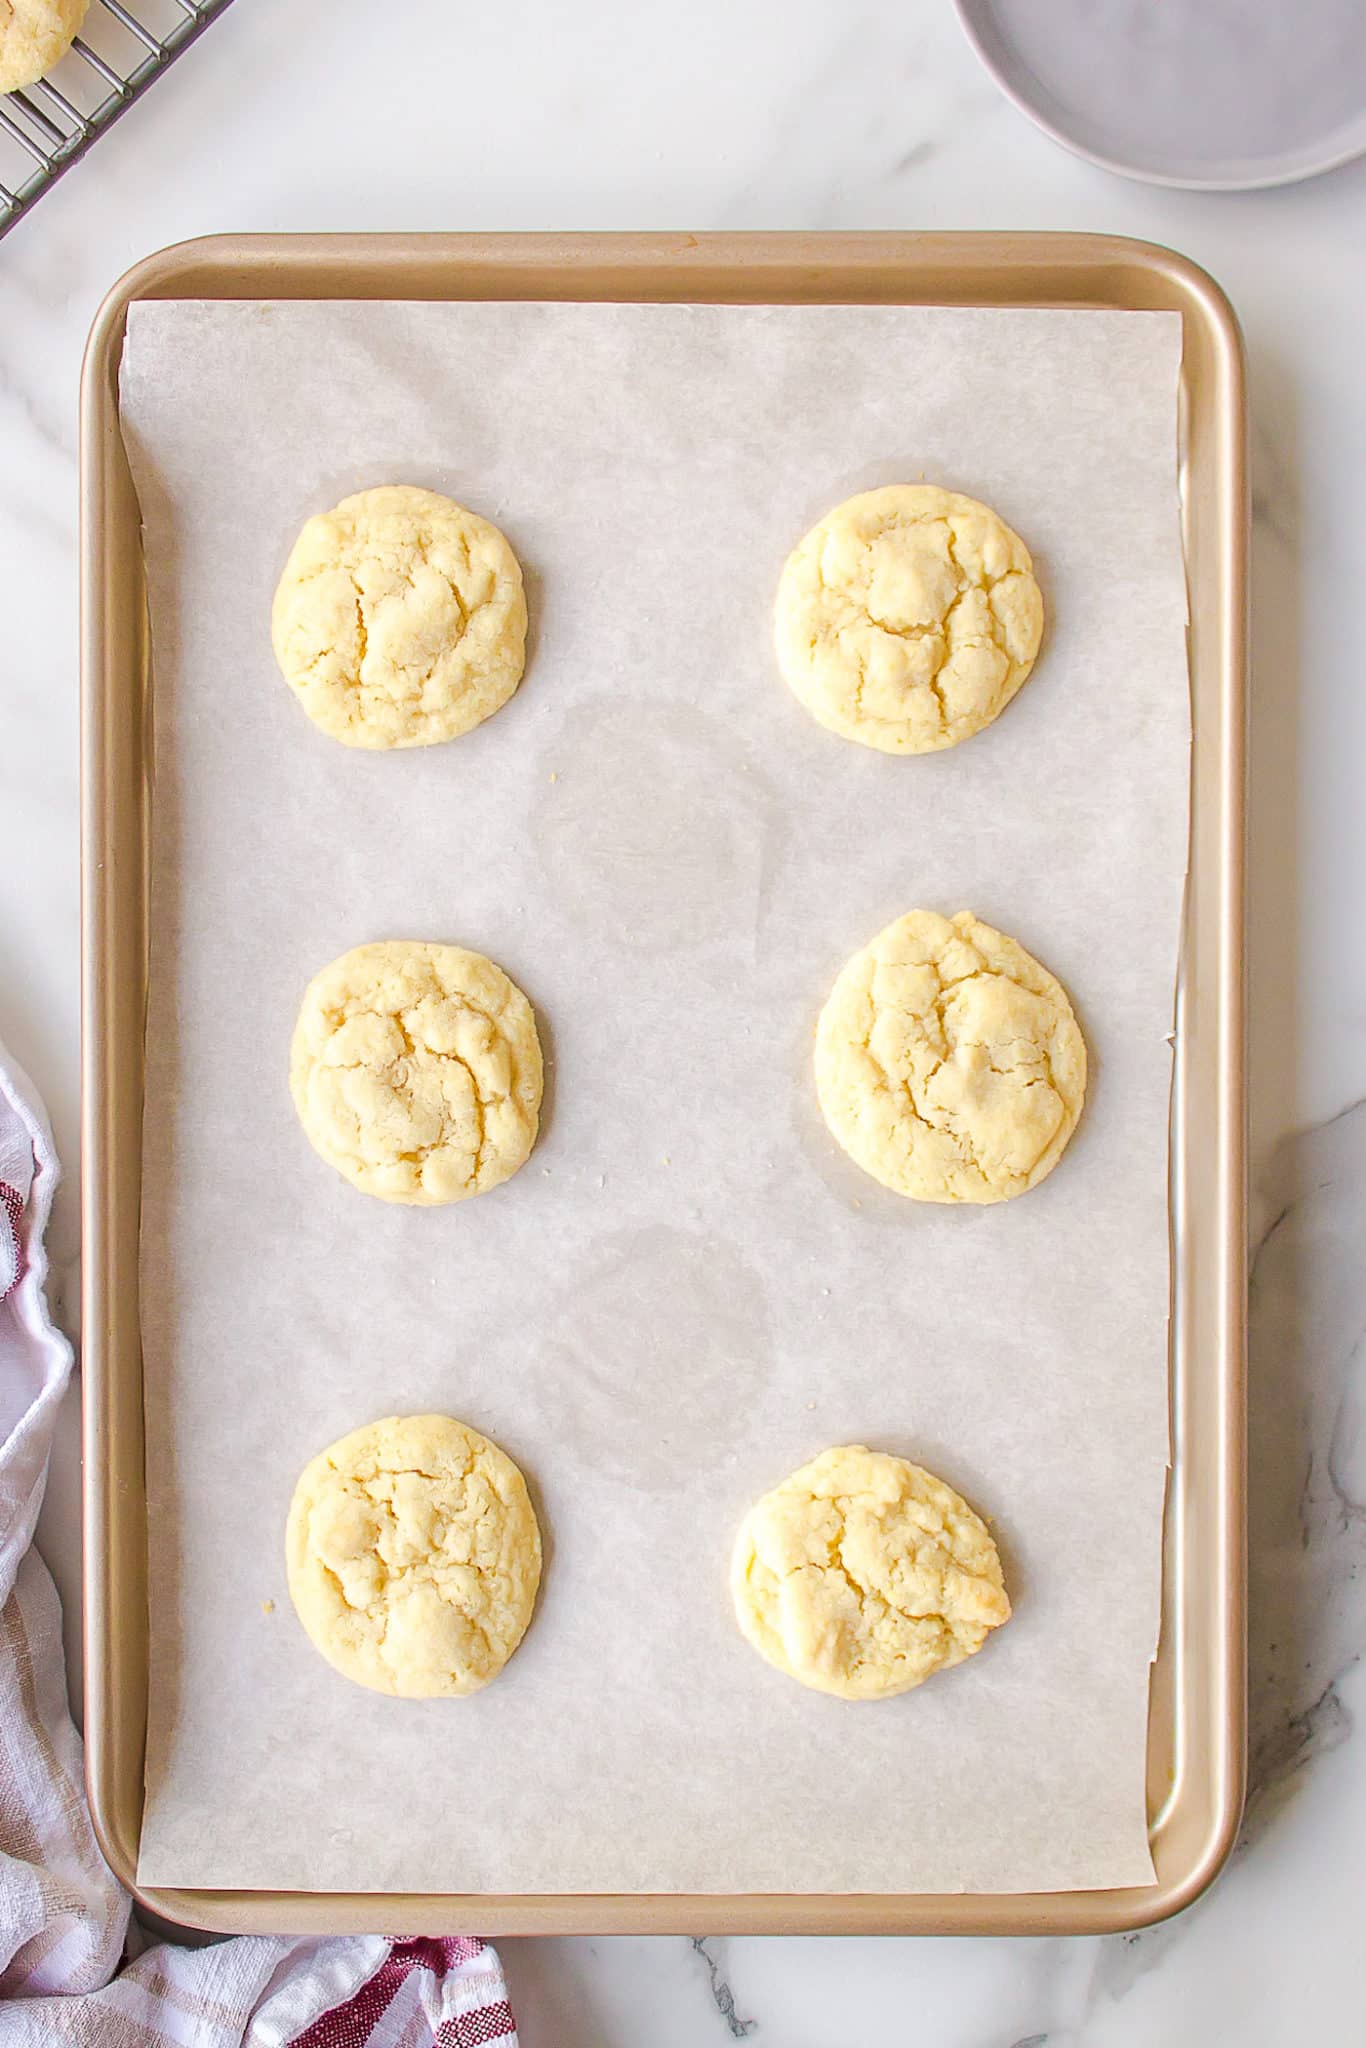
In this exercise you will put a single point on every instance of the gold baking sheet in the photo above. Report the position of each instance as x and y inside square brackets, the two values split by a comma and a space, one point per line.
[1194, 1739]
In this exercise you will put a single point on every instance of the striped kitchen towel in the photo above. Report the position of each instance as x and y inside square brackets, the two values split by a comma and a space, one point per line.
[73, 1966]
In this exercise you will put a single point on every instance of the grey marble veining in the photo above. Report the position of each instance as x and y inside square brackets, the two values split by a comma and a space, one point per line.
[1307, 1456]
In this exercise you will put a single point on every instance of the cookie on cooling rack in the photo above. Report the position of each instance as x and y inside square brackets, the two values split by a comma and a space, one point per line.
[34, 34]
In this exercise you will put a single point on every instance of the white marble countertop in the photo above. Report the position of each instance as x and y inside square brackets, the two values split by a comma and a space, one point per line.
[800, 113]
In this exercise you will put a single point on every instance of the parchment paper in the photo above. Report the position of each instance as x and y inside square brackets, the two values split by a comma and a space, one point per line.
[688, 1290]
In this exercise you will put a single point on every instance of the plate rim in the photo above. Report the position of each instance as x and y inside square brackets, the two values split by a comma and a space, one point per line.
[969, 14]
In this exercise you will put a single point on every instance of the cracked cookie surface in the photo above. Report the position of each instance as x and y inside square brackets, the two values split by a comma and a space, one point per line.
[862, 1575]
[908, 618]
[35, 35]
[414, 1555]
[416, 1071]
[400, 619]
[949, 1064]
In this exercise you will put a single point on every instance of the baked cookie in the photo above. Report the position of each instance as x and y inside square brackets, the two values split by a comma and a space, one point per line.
[414, 1556]
[862, 1576]
[416, 1071]
[908, 618]
[400, 619]
[34, 35]
[949, 1064]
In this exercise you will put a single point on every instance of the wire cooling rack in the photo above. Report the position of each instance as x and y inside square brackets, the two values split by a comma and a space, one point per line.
[46, 127]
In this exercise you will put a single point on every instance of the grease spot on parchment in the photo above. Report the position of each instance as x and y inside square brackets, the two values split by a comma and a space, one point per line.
[654, 1354]
[651, 830]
